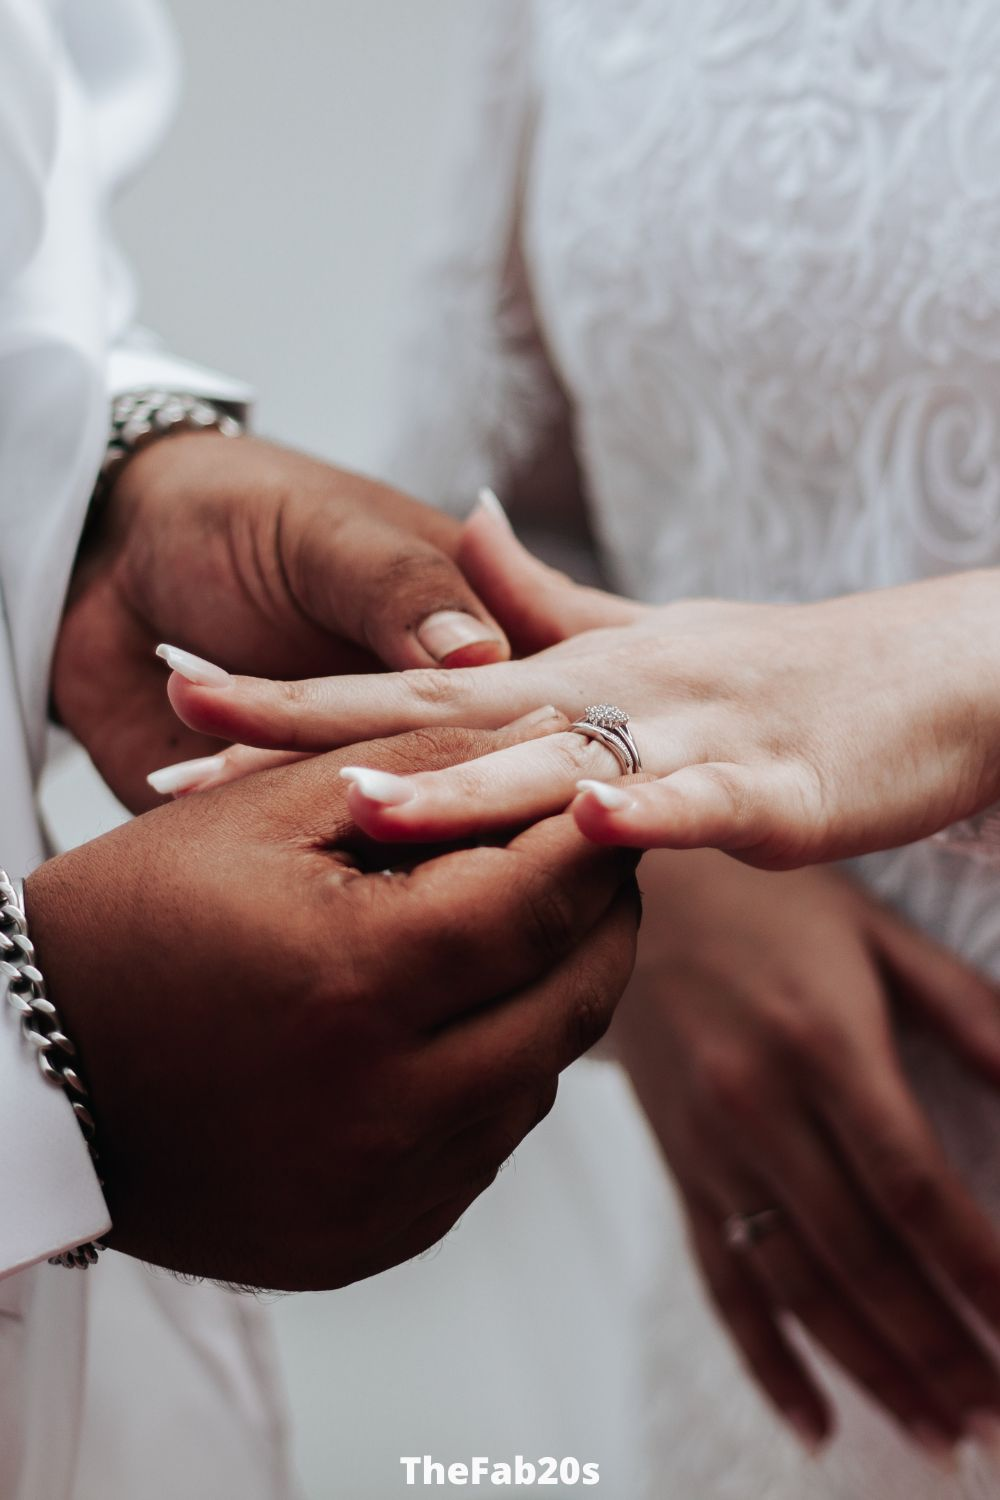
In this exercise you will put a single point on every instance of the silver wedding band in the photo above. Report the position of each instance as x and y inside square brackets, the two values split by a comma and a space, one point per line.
[743, 1232]
[608, 725]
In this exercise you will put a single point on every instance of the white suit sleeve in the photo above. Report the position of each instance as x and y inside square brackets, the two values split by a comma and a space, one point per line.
[85, 93]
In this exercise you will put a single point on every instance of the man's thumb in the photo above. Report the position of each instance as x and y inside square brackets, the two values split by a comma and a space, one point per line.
[404, 599]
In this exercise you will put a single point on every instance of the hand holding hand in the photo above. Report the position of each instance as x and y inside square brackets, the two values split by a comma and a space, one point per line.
[784, 734]
[759, 1038]
[261, 558]
[304, 1071]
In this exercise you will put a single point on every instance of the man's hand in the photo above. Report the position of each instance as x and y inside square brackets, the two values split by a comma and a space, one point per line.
[263, 560]
[304, 1070]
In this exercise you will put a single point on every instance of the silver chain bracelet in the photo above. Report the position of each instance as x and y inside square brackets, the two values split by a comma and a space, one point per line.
[139, 417]
[25, 990]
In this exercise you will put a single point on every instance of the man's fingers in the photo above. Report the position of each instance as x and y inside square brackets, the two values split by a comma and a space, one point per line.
[511, 786]
[525, 1041]
[395, 593]
[322, 713]
[479, 924]
[751, 1322]
[537, 605]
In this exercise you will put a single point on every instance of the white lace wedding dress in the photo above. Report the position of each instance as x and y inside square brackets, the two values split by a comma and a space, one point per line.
[763, 244]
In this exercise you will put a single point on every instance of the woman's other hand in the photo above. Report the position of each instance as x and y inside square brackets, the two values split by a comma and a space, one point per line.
[758, 1036]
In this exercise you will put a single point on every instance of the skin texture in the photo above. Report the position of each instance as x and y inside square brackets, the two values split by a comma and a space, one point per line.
[786, 735]
[770, 1074]
[303, 1071]
[260, 557]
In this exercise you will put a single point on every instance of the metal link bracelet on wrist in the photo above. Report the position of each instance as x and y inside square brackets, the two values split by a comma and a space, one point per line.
[139, 417]
[24, 988]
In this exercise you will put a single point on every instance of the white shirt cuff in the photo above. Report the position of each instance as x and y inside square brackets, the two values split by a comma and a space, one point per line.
[141, 365]
[50, 1198]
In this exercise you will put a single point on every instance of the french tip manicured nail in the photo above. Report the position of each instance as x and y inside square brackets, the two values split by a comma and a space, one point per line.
[489, 501]
[938, 1447]
[379, 786]
[984, 1429]
[186, 775]
[803, 1424]
[448, 631]
[194, 668]
[611, 797]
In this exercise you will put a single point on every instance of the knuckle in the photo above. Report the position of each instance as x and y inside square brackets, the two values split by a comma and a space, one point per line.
[575, 755]
[436, 747]
[733, 789]
[590, 1016]
[413, 569]
[293, 693]
[730, 1082]
[911, 1192]
[433, 687]
[550, 915]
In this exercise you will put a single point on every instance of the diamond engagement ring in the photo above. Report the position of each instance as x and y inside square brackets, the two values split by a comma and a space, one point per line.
[742, 1232]
[609, 726]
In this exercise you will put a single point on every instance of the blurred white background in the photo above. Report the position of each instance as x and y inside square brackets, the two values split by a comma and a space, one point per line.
[272, 238]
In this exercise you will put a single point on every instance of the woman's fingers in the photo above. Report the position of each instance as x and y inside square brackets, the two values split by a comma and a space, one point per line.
[536, 605]
[237, 761]
[870, 1266]
[794, 1281]
[511, 786]
[764, 813]
[187, 776]
[894, 1154]
[746, 1313]
[963, 1006]
[323, 713]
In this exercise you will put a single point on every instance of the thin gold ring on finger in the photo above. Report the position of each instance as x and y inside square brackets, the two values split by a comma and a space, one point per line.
[608, 725]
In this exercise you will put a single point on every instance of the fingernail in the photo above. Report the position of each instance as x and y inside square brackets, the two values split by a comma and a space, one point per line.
[185, 775]
[202, 673]
[379, 786]
[937, 1445]
[489, 502]
[536, 717]
[449, 631]
[611, 797]
[984, 1428]
[809, 1433]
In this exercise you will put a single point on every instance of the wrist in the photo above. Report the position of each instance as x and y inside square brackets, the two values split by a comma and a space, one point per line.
[44, 1027]
[141, 419]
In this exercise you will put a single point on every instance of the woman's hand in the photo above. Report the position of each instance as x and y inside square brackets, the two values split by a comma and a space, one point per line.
[758, 1036]
[784, 734]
